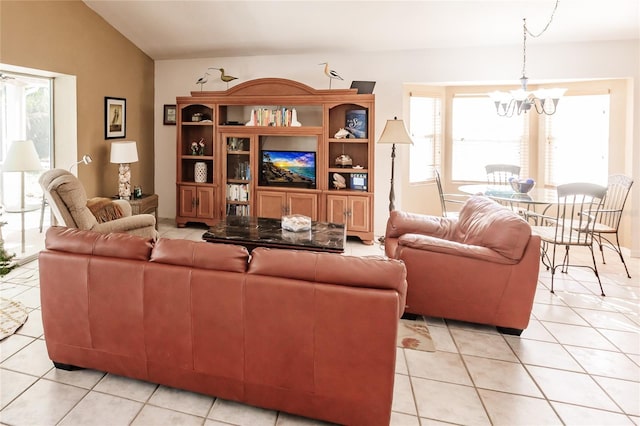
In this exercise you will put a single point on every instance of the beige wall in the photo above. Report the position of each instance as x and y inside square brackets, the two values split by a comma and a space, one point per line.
[67, 37]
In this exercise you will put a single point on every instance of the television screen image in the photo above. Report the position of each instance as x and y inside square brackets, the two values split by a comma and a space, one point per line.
[288, 168]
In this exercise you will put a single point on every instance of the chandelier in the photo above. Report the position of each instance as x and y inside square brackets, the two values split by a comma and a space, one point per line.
[544, 101]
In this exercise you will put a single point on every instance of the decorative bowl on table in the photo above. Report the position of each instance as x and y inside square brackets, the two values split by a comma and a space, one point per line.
[296, 223]
[522, 186]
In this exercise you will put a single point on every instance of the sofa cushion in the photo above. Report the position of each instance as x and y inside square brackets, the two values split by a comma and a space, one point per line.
[484, 222]
[453, 248]
[199, 254]
[329, 268]
[73, 240]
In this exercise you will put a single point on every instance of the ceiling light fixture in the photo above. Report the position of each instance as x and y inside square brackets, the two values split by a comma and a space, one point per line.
[544, 101]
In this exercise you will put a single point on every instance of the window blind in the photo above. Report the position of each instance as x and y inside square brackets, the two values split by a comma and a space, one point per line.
[425, 128]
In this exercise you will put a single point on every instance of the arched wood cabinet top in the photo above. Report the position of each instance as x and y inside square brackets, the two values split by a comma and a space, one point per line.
[274, 87]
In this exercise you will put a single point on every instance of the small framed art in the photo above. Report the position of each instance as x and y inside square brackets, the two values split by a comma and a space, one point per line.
[115, 118]
[169, 116]
[358, 181]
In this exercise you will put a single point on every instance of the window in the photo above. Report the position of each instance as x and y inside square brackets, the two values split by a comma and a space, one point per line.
[577, 140]
[481, 137]
[25, 113]
[425, 130]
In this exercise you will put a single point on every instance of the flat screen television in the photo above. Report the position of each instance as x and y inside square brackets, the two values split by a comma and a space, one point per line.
[288, 168]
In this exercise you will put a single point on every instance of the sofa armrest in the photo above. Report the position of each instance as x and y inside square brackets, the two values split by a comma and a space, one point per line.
[432, 244]
[400, 223]
[125, 207]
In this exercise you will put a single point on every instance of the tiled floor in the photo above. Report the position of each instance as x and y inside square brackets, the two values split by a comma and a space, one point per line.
[578, 363]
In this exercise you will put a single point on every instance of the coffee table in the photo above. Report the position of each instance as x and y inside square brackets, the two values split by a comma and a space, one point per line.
[253, 232]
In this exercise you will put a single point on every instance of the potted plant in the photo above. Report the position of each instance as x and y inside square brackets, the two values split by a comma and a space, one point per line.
[6, 259]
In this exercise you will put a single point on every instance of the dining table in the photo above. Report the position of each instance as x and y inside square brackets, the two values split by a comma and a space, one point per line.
[506, 193]
[536, 198]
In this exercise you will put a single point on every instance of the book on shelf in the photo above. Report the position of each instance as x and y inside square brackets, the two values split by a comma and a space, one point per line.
[356, 123]
[242, 171]
[238, 210]
[274, 117]
[237, 192]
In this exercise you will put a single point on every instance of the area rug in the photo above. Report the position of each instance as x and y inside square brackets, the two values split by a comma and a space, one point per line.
[414, 334]
[12, 315]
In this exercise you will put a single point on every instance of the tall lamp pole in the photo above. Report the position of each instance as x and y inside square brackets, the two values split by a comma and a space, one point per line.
[394, 132]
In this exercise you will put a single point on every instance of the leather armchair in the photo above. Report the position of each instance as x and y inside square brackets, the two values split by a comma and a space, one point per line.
[481, 267]
[68, 201]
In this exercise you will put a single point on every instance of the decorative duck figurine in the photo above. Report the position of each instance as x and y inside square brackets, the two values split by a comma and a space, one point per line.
[224, 77]
[330, 73]
[202, 80]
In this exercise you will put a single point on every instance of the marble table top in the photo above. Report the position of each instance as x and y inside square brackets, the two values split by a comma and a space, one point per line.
[254, 232]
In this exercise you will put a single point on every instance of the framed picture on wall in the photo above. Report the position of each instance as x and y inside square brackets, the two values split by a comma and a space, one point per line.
[169, 116]
[115, 118]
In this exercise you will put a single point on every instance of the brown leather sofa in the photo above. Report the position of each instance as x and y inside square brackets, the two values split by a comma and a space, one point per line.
[312, 334]
[481, 267]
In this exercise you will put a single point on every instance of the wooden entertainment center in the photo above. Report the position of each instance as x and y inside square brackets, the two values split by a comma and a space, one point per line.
[268, 147]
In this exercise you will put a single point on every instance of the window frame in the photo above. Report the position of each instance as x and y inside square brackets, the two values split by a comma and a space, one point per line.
[546, 125]
[523, 146]
[434, 159]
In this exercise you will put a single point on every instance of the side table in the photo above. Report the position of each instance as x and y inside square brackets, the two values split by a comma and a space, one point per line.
[147, 204]
[22, 210]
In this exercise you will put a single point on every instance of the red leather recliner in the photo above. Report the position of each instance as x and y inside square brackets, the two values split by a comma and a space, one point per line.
[481, 267]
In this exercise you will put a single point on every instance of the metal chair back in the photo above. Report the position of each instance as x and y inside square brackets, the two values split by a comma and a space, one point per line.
[499, 174]
[441, 193]
[577, 210]
[618, 189]
[608, 221]
[448, 198]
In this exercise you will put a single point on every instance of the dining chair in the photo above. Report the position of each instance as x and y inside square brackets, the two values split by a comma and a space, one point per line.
[499, 174]
[577, 209]
[608, 221]
[456, 199]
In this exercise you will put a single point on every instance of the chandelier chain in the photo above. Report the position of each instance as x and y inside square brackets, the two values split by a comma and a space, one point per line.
[546, 26]
[524, 36]
[542, 100]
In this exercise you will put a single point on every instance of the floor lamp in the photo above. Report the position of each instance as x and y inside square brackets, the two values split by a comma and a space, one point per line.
[22, 157]
[394, 132]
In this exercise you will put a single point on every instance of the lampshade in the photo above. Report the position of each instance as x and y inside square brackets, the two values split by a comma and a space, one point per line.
[124, 152]
[22, 157]
[395, 132]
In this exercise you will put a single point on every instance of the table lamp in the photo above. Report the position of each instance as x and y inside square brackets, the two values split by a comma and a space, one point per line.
[394, 132]
[124, 153]
[22, 157]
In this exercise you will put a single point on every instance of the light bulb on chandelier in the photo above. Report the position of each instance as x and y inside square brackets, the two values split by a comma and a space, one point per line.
[544, 101]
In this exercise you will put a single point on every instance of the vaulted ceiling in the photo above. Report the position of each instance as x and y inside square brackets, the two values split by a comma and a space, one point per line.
[199, 29]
